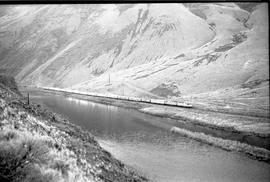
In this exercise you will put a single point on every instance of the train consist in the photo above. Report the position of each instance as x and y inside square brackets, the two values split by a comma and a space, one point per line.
[119, 97]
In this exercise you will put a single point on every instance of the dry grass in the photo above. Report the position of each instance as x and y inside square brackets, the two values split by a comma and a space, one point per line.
[25, 157]
[20, 157]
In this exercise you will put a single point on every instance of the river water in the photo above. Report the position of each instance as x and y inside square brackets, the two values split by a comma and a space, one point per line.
[146, 144]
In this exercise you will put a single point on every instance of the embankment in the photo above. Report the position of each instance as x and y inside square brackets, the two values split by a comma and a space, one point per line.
[230, 145]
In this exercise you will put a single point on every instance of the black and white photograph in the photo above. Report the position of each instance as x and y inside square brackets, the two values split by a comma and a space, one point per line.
[134, 91]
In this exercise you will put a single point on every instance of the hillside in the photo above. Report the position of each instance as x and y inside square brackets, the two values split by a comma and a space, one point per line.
[210, 54]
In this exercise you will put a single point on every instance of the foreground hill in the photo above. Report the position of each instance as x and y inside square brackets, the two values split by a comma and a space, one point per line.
[211, 54]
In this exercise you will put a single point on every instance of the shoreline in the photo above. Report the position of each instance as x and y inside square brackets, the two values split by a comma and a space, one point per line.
[252, 139]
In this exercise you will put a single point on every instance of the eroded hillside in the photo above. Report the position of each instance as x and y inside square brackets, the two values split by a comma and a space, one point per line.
[208, 53]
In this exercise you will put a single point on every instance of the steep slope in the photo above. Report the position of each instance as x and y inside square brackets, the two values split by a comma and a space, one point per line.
[193, 51]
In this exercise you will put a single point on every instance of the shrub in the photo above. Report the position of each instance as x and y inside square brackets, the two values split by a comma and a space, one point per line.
[7, 135]
[36, 175]
[61, 166]
[18, 156]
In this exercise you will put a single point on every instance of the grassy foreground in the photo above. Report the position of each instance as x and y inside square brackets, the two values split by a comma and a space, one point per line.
[40, 146]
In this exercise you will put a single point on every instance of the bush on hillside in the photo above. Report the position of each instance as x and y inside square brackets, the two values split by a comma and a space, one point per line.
[20, 157]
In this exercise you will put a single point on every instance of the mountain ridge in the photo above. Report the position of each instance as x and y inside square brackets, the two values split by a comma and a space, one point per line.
[191, 50]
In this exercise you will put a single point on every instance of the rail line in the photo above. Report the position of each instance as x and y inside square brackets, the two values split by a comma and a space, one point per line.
[126, 98]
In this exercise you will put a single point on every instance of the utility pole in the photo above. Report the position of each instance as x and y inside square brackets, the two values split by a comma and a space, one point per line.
[28, 100]
[123, 85]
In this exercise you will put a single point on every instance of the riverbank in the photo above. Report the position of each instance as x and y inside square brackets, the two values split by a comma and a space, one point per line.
[253, 131]
[37, 144]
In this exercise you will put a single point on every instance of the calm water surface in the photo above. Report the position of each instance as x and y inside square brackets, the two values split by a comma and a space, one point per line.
[145, 143]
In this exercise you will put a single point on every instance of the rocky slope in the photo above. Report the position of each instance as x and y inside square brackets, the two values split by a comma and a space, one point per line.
[211, 54]
[38, 145]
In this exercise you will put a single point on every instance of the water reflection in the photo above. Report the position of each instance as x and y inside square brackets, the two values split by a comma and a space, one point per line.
[92, 104]
[78, 101]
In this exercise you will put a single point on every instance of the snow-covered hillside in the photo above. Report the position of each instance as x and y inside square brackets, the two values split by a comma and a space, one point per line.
[193, 51]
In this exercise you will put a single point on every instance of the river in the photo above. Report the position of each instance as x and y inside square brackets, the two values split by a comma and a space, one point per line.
[146, 144]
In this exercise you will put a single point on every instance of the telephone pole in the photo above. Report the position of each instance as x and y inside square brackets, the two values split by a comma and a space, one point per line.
[28, 101]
